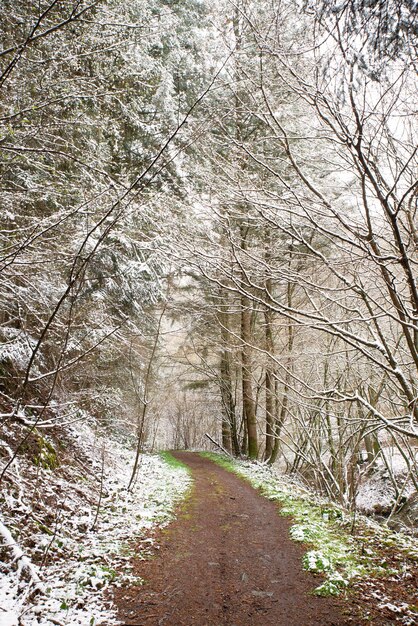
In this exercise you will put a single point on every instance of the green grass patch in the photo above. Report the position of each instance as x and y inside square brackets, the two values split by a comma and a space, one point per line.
[171, 460]
[221, 459]
[182, 505]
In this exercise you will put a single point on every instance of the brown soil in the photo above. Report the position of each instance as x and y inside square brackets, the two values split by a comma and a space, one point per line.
[226, 561]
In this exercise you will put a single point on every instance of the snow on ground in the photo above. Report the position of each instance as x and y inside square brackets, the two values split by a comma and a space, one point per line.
[376, 491]
[79, 552]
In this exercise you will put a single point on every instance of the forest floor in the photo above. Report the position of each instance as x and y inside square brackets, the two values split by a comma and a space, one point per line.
[67, 521]
[228, 560]
[190, 543]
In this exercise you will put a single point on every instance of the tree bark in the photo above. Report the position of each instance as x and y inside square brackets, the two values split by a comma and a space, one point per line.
[248, 403]
[271, 416]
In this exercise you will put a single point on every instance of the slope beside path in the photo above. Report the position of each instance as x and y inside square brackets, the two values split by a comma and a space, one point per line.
[226, 561]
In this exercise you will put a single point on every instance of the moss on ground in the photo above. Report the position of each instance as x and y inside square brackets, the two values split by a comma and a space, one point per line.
[47, 455]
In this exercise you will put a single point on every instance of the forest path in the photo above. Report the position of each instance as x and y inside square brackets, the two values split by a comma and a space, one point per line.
[227, 560]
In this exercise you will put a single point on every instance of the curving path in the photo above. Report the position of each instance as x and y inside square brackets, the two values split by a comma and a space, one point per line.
[226, 560]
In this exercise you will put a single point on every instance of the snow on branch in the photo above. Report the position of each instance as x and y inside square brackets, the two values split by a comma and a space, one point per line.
[25, 567]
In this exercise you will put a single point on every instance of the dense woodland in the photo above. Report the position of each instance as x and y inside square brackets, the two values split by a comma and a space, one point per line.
[209, 225]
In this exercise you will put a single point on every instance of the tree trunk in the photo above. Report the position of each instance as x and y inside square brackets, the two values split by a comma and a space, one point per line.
[248, 403]
[228, 405]
[271, 416]
[279, 419]
[278, 423]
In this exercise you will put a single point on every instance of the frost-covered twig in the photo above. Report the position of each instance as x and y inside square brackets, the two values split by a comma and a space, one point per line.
[14, 463]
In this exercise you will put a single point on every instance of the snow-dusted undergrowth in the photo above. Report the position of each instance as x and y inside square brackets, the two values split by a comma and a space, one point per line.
[81, 550]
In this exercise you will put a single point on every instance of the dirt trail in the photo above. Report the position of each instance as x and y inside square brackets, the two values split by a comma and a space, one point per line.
[226, 561]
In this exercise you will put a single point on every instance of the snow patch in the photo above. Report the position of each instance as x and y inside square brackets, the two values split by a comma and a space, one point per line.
[87, 548]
